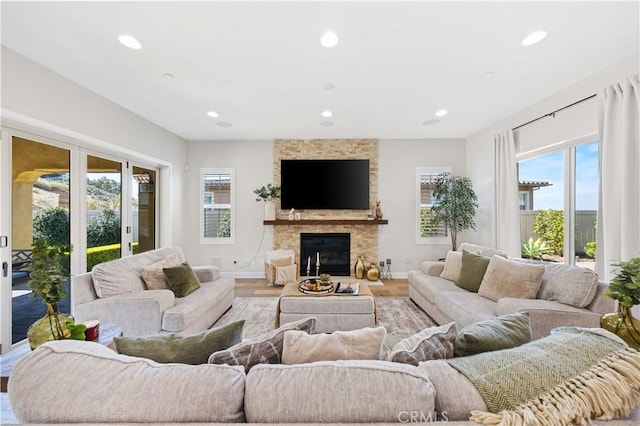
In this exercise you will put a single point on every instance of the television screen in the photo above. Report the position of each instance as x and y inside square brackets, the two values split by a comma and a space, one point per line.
[324, 184]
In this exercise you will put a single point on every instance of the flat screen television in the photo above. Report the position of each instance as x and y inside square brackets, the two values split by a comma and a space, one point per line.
[324, 184]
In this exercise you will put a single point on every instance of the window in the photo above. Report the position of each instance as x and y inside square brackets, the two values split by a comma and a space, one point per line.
[523, 200]
[563, 188]
[426, 231]
[216, 209]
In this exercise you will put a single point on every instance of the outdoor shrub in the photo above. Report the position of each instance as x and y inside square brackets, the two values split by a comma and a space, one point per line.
[97, 255]
[52, 224]
[590, 249]
[549, 225]
[103, 229]
[534, 249]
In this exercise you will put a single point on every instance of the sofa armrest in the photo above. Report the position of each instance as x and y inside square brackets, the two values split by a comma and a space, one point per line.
[137, 313]
[432, 267]
[544, 315]
[206, 274]
[601, 303]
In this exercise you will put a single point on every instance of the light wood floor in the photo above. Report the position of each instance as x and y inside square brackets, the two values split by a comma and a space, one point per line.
[248, 287]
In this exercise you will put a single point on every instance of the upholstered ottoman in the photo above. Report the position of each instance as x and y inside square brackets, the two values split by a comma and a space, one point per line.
[334, 312]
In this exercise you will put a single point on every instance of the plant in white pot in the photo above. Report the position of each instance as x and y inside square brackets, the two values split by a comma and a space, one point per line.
[268, 194]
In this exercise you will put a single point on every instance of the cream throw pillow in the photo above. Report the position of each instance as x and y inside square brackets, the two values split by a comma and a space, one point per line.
[285, 274]
[365, 343]
[506, 278]
[452, 266]
[153, 275]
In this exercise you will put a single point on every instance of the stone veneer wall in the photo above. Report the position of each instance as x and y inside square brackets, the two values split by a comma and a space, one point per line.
[364, 238]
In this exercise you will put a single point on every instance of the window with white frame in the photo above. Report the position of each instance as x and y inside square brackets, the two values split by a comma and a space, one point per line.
[428, 232]
[217, 206]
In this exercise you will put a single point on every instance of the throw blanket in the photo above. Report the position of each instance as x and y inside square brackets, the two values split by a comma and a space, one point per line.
[570, 376]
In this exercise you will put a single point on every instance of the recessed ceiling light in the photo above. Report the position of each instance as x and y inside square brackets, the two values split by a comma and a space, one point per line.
[441, 113]
[430, 122]
[489, 74]
[168, 76]
[213, 114]
[328, 86]
[326, 123]
[329, 39]
[224, 124]
[130, 42]
[326, 113]
[533, 38]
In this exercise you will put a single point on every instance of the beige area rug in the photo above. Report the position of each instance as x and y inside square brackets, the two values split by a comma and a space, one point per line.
[399, 315]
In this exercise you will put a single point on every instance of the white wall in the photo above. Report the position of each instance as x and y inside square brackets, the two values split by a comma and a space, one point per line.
[480, 147]
[398, 160]
[253, 164]
[59, 108]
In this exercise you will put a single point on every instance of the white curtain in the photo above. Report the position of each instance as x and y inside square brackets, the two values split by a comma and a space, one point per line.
[618, 227]
[507, 211]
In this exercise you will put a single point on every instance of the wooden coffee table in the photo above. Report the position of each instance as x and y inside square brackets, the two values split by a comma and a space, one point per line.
[334, 312]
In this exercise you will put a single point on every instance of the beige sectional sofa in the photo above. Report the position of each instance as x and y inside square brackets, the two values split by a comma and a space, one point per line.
[568, 296]
[115, 292]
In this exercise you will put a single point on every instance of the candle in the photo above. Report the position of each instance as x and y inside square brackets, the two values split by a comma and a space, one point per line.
[317, 259]
[309, 261]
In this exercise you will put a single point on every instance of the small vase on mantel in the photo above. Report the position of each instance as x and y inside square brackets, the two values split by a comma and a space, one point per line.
[53, 326]
[358, 268]
[269, 210]
[623, 324]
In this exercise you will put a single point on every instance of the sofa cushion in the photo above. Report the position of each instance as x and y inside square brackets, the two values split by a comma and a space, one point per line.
[472, 271]
[263, 349]
[568, 284]
[430, 343]
[452, 265]
[300, 347]
[353, 391]
[194, 349]
[482, 250]
[181, 279]
[465, 307]
[503, 332]
[113, 388]
[505, 278]
[429, 286]
[153, 275]
[456, 396]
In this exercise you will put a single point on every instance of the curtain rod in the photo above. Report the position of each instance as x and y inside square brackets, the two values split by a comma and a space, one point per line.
[552, 113]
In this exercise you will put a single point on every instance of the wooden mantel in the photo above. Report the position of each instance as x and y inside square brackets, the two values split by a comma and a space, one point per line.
[280, 222]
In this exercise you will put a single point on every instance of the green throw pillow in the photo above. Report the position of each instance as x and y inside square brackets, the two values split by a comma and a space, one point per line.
[472, 271]
[503, 332]
[194, 349]
[181, 279]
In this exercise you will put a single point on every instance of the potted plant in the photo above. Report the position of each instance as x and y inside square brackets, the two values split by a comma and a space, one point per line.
[454, 204]
[268, 194]
[47, 277]
[625, 288]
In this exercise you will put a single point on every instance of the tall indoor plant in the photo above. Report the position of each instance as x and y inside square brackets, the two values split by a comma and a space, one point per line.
[268, 194]
[47, 277]
[625, 288]
[454, 204]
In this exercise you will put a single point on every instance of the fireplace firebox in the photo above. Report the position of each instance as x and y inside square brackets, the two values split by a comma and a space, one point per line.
[333, 249]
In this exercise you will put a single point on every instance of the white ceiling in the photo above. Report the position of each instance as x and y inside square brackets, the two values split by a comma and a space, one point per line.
[261, 67]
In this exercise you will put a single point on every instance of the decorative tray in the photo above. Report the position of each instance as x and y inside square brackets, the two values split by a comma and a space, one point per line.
[313, 286]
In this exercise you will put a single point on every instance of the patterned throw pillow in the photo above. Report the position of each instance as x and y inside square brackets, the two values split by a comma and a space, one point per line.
[265, 349]
[429, 344]
[168, 348]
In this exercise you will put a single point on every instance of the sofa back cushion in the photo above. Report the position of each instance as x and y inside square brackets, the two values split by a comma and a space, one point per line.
[117, 388]
[353, 391]
[125, 275]
[568, 284]
[482, 250]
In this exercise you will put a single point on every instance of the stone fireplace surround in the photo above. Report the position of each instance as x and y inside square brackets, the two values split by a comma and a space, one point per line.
[364, 237]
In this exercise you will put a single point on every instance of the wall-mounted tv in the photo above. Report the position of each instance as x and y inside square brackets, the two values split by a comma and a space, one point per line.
[324, 184]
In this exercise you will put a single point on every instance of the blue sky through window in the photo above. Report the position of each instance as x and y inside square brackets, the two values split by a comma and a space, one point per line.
[550, 168]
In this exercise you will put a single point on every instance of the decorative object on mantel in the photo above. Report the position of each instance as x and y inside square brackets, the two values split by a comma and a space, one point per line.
[378, 211]
[373, 273]
[47, 276]
[454, 204]
[268, 194]
[359, 268]
[291, 214]
[625, 288]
